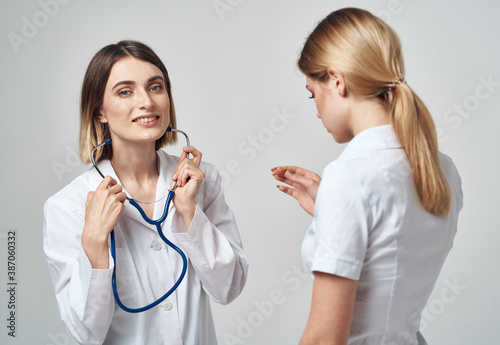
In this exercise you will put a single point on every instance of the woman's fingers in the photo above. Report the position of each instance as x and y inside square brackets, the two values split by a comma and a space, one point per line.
[189, 177]
[190, 172]
[302, 180]
[187, 169]
[110, 188]
[296, 171]
[106, 203]
[103, 209]
[106, 183]
[292, 177]
[287, 181]
[196, 154]
[289, 191]
[184, 158]
[281, 170]
[283, 173]
[305, 185]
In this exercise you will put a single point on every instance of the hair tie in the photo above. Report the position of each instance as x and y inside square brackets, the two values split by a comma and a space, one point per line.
[397, 80]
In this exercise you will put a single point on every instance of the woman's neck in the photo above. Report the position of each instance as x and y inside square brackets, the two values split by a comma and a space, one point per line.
[135, 165]
[369, 113]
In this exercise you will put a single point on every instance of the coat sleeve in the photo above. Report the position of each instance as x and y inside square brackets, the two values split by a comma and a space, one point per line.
[84, 295]
[213, 243]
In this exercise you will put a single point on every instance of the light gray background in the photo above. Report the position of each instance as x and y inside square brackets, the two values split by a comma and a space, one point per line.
[233, 71]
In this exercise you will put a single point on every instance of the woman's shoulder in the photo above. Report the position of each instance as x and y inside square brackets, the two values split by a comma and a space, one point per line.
[358, 167]
[449, 167]
[452, 176]
[373, 172]
[342, 175]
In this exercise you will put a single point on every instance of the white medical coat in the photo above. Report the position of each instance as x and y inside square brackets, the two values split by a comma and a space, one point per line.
[146, 267]
[369, 225]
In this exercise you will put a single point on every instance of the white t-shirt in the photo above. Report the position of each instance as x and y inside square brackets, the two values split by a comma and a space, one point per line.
[370, 226]
[145, 267]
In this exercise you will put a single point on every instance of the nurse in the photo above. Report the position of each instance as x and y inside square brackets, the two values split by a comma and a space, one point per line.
[127, 96]
[385, 211]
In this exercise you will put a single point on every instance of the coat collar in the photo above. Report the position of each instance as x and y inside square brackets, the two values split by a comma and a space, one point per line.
[166, 167]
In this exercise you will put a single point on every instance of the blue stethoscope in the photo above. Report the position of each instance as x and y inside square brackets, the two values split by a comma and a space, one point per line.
[157, 223]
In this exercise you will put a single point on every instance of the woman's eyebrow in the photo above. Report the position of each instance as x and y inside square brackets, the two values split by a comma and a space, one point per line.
[158, 77]
[124, 82]
[131, 82]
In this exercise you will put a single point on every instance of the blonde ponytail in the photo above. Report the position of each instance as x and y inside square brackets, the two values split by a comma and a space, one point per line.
[416, 133]
[368, 54]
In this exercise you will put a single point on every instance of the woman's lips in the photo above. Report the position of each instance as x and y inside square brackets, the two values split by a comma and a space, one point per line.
[147, 121]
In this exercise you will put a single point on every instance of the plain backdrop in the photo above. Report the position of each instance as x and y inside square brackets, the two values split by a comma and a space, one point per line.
[243, 103]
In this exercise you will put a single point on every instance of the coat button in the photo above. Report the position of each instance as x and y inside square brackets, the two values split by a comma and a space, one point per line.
[156, 245]
[167, 305]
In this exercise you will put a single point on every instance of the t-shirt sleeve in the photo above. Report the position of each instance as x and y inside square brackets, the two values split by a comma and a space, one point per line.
[341, 219]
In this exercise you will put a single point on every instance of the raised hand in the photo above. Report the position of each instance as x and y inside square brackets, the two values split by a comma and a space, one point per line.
[304, 185]
[188, 176]
[103, 209]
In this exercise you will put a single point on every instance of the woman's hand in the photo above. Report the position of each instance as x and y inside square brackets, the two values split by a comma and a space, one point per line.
[102, 211]
[305, 185]
[188, 176]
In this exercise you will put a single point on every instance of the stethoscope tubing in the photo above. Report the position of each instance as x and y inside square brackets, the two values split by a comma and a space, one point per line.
[156, 223]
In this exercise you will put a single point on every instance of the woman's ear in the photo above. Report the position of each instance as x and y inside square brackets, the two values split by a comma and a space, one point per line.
[102, 119]
[336, 78]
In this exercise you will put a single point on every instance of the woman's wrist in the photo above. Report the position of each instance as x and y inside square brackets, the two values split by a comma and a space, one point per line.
[96, 250]
[187, 214]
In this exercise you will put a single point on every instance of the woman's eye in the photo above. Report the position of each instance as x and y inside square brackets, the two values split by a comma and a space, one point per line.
[156, 88]
[124, 93]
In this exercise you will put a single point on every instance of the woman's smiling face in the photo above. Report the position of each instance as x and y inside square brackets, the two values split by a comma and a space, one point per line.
[135, 105]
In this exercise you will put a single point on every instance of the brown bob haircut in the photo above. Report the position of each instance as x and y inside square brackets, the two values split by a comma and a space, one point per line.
[92, 131]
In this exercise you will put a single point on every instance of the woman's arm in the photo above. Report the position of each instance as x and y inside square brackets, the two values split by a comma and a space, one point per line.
[83, 294]
[213, 243]
[331, 313]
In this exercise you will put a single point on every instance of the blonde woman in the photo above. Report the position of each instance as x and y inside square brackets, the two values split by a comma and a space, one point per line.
[385, 212]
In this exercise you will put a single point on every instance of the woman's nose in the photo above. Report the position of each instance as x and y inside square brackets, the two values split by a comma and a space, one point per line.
[144, 100]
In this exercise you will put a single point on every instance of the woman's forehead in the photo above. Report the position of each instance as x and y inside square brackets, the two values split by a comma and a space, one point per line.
[132, 69]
